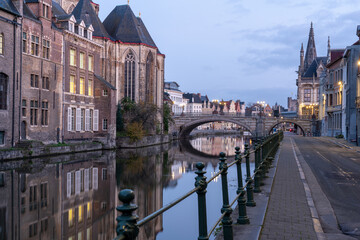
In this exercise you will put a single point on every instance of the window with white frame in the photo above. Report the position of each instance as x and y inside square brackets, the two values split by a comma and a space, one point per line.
[71, 26]
[1, 44]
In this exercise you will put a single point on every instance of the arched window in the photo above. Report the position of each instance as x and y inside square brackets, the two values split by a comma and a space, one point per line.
[1, 44]
[3, 91]
[130, 76]
[149, 79]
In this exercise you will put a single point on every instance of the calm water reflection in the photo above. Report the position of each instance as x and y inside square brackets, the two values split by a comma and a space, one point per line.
[73, 197]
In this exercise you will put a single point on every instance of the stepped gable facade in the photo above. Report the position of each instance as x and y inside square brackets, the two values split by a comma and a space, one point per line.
[308, 84]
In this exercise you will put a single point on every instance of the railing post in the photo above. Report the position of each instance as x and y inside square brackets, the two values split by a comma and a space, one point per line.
[249, 188]
[257, 169]
[242, 219]
[127, 221]
[226, 221]
[200, 180]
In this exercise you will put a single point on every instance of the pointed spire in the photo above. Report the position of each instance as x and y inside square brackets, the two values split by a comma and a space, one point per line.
[328, 51]
[128, 2]
[302, 47]
[140, 14]
[310, 55]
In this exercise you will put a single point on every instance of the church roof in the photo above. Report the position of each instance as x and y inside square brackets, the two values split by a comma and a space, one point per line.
[8, 6]
[310, 54]
[124, 26]
[84, 11]
[57, 9]
[311, 71]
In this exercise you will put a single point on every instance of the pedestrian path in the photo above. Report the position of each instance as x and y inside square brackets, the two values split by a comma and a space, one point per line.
[288, 214]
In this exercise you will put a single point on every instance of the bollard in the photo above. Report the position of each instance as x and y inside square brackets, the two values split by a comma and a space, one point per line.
[200, 180]
[127, 221]
[226, 221]
[257, 170]
[242, 219]
[249, 188]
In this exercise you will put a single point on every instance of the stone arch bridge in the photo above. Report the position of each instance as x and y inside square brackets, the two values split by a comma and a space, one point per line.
[255, 125]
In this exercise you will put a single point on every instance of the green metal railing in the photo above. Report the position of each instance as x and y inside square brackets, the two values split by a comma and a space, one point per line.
[264, 152]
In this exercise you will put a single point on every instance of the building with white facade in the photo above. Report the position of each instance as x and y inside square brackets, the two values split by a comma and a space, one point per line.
[176, 96]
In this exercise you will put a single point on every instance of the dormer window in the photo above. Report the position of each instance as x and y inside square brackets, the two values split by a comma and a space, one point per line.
[81, 31]
[71, 27]
[89, 31]
[89, 35]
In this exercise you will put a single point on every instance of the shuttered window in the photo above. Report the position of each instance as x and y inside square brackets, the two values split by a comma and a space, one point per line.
[95, 178]
[96, 120]
[87, 120]
[77, 182]
[78, 119]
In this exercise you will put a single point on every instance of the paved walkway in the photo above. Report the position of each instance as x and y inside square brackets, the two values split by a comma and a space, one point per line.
[288, 215]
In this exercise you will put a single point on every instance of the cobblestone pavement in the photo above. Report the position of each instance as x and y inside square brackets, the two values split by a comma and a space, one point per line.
[288, 215]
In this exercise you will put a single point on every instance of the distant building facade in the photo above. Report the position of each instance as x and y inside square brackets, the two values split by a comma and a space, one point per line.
[307, 82]
[176, 96]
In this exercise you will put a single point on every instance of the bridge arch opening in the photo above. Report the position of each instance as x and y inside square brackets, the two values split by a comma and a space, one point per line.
[296, 128]
[186, 129]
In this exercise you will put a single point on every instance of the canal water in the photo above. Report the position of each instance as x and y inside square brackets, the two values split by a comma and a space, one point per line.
[73, 197]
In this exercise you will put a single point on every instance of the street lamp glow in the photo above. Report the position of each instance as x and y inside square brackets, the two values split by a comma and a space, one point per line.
[339, 82]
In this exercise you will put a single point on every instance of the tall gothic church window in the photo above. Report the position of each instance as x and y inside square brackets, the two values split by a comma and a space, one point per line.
[130, 76]
[149, 78]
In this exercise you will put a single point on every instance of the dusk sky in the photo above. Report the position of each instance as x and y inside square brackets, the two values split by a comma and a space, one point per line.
[247, 50]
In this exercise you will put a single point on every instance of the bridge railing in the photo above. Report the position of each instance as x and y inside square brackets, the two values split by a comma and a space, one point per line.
[264, 151]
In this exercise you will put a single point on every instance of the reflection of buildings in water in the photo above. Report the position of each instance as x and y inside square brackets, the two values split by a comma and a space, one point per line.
[215, 145]
[68, 201]
[147, 184]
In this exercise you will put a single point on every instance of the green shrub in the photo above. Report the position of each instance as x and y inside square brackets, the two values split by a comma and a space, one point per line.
[135, 131]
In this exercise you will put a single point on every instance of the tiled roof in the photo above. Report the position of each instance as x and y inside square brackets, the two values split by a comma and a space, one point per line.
[311, 71]
[9, 7]
[86, 12]
[336, 55]
[192, 96]
[105, 82]
[57, 9]
[29, 14]
[124, 26]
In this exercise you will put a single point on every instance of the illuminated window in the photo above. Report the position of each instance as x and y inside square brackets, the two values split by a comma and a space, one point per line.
[72, 84]
[71, 217]
[80, 213]
[82, 60]
[34, 45]
[88, 210]
[72, 57]
[91, 63]
[2, 44]
[90, 88]
[307, 95]
[82, 86]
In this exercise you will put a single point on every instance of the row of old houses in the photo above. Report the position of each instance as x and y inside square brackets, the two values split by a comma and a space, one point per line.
[63, 70]
[329, 89]
[197, 104]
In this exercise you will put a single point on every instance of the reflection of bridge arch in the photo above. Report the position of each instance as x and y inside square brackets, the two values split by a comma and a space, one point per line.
[186, 129]
[288, 121]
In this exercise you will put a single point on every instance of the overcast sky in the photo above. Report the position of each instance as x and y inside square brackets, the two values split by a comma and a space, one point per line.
[241, 49]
